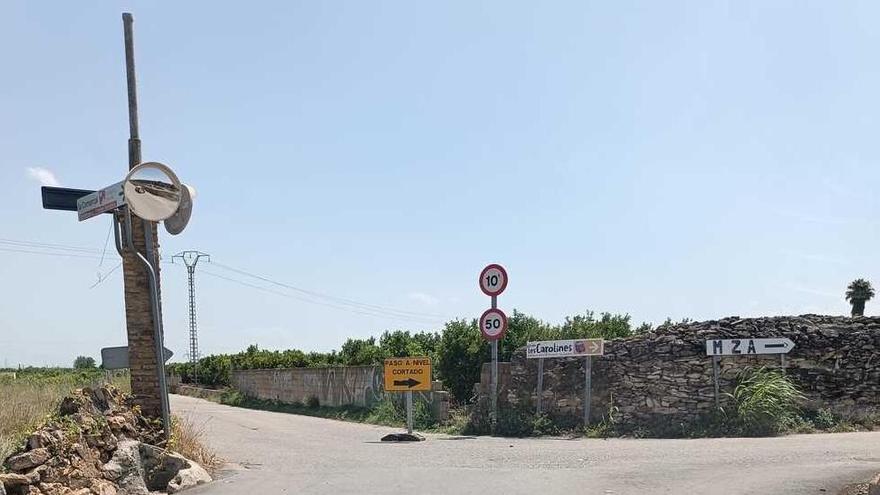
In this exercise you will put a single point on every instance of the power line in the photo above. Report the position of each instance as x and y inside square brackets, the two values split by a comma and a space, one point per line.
[321, 303]
[339, 300]
[46, 253]
[106, 242]
[102, 278]
[46, 245]
[312, 297]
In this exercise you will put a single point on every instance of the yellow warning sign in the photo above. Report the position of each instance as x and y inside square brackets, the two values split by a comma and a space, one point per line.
[408, 373]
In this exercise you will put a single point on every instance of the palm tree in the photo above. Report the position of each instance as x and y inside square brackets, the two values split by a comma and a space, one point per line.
[857, 293]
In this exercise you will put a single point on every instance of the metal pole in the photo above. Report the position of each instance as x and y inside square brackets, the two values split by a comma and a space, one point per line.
[134, 142]
[588, 389]
[782, 360]
[409, 412]
[494, 380]
[540, 382]
[151, 259]
[715, 373]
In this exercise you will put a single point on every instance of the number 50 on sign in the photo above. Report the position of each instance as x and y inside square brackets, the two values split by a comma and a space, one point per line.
[493, 324]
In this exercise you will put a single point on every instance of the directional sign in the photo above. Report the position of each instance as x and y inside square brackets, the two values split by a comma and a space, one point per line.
[408, 373]
[493, 324]
[116, 358]
[493, 280]
[735, 347]
[107, 199]
[62, 198]
[565, 348]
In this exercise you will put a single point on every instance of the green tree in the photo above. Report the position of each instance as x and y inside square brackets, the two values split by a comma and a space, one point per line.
[84, 362]
[356, 352]
[460, 357]
[522, 328]
[401, 343]
[858, 292]
[586, 326]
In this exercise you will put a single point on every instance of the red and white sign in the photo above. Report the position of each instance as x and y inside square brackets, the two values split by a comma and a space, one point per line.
[493, 324]
[107, 199]
[493, 280]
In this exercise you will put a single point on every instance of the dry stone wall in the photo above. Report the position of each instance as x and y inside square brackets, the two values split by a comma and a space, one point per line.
[665, 377]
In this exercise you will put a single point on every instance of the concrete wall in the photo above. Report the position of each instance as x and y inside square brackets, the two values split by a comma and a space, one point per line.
[666, 377]
[333, 386]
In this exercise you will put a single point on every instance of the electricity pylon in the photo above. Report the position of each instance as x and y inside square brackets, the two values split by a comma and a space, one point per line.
[191, 259]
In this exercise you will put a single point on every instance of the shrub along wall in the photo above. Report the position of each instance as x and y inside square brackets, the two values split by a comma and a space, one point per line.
[664, 378]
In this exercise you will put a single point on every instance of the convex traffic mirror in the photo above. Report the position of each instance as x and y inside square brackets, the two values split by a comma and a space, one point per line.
[153, 191]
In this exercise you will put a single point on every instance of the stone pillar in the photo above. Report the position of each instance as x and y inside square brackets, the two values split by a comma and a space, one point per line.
[139, 324]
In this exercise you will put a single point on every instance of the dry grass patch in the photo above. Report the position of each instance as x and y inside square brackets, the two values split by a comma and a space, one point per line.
[187, 439]
[28, 398]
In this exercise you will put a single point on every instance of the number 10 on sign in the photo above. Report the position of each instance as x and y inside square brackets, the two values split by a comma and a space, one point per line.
[493, 280]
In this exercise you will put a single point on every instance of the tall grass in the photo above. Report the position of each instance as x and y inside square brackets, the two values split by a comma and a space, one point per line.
[29, 397]
[767, 402]
[187, 439]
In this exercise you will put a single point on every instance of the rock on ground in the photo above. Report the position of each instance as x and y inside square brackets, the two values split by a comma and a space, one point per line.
[98, 444]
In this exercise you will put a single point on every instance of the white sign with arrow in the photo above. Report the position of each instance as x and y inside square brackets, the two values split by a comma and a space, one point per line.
[565, 348]
[735, 347]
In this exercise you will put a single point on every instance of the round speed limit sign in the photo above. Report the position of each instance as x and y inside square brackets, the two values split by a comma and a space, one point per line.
[493, 280]
[493, 324]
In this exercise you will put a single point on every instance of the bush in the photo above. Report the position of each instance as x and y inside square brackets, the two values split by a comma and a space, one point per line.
[313, 402]
[766, 401]
[514, 422]
[232, 397]
[84, 363]
[603, 429]
[543, 425]
[824, 419]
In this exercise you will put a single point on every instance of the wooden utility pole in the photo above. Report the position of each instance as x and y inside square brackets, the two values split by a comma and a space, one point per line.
[144, 366]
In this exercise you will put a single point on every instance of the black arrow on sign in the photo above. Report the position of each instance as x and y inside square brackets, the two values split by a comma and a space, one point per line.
[409, 382]
[776, 346]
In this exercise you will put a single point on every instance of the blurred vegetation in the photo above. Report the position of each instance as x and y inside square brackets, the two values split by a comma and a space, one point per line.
[84, 362]
[457, 350]
[31, 394]
[389, 411]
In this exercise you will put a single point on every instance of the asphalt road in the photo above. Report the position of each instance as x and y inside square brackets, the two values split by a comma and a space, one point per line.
[282, 453]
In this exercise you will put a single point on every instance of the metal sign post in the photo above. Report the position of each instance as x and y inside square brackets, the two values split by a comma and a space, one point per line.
[715, 360]
[493, 325]
[588, 389]
[409, 412]
[540, 384]
[494, 379]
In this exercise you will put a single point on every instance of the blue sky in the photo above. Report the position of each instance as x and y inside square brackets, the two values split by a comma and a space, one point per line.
[682, 159]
